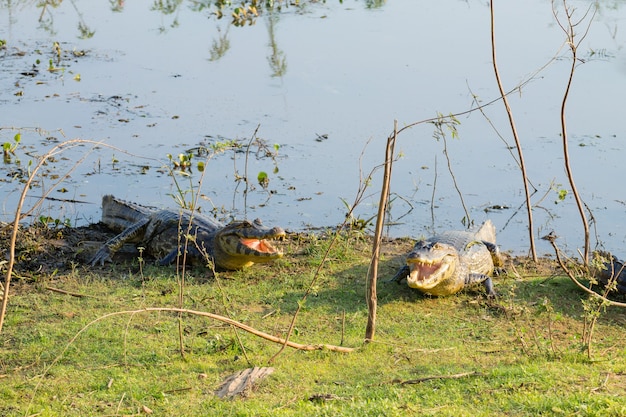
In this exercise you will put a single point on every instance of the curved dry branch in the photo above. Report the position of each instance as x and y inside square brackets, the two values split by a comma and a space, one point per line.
[196, 313]
[571, 276]
[19, 215]
[245, 327]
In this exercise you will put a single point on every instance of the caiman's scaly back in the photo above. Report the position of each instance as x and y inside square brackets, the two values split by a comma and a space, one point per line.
[119, 214]
[450, 261]
[162, 232]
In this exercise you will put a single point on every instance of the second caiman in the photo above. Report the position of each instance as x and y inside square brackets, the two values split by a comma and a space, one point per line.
[162, 234]
[448, 262]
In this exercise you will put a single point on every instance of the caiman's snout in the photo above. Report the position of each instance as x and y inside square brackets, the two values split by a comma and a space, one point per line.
[243, 243]
[422, 269]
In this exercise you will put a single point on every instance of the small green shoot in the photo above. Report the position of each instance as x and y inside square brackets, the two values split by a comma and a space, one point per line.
[9, 148]
[561, 194]
[264, 179]
[54, 223]
[182, 162]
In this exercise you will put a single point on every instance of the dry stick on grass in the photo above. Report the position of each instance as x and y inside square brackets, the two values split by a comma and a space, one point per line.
[372, 272]
[518, 145]
[244, 351]
[223, 319]
[568, 28]
[73, 294]
[292, 325]
[430, 378]
[235, 323]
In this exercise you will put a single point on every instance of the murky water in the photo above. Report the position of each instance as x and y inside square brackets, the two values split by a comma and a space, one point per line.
[324, 82]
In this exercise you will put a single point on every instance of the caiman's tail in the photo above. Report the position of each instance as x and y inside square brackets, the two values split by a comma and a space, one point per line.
[487, 232]
[120, 214]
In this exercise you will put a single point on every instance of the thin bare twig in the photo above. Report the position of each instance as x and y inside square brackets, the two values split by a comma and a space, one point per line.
[73, 294]
[19, 214]
[456, 185]
[571, 276]
[433, 377]
[432, 198]
[518, 145]
[569, 30]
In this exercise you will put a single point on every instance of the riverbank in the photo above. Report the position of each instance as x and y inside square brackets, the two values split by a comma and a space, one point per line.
[78, 340]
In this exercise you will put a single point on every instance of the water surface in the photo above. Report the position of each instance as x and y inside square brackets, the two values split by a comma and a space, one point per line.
[324, 81]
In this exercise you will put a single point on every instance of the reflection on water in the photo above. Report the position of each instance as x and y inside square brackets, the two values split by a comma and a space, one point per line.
[324, 81]
[277, 59]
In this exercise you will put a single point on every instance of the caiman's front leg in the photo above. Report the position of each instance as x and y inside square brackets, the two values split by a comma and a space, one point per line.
[485, 280]
[192, 253]
[114, 244]
[401, 274]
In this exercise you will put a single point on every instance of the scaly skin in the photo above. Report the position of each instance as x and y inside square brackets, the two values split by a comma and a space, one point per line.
[609, 271]
[447, 263]
[162, 233]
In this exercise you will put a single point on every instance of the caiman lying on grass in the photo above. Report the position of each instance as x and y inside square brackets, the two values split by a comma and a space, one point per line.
[612, 272]
[446, 263]
[162, 232]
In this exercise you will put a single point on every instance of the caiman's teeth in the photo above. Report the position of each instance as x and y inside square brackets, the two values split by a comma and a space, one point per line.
[420, 262]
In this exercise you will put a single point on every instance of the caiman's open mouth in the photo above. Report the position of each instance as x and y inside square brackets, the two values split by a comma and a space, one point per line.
[426, 274]
[261, 246]
[243, 243]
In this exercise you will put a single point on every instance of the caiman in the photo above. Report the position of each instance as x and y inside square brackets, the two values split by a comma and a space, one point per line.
[610, 271]
[162, 234]
[446, 263]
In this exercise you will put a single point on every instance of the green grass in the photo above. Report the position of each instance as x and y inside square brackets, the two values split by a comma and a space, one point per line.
[523, 355]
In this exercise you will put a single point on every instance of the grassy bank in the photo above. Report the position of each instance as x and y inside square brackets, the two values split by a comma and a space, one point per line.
[522, 354]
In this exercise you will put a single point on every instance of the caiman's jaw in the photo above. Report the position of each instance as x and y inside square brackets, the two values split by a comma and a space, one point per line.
[431, 265]
[261, 247]
[244, 243]
[425, 274]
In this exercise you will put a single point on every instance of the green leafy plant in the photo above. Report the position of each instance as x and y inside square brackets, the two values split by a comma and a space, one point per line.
[48, 221]
[9, 148]
[182, 162]
[263, 179]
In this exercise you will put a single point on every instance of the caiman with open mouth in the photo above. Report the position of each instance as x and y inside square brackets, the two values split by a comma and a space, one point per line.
[446, 263]
[164, 234]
